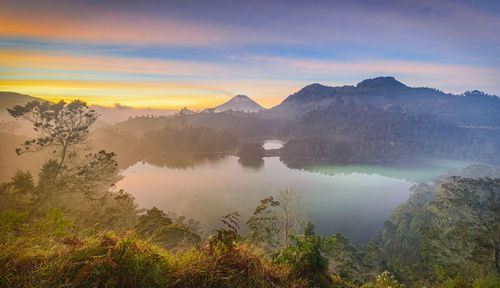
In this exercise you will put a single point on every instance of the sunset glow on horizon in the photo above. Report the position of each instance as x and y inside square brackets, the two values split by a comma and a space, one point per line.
[199, 54]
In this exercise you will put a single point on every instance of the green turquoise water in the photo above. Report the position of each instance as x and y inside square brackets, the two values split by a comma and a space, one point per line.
[354, 200]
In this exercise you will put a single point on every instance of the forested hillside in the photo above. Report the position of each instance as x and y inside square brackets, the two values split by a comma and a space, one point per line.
[346, 132]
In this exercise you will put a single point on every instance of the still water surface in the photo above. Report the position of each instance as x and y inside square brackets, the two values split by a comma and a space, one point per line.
[353, 200]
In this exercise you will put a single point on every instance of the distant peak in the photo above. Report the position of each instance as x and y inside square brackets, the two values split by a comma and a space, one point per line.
[314, 86]
[241, 97]
[381, 82]
[240, 103]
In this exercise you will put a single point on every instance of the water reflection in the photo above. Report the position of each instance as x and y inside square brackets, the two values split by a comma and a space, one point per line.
[421, 172]
[354, 200]
[181, 161]
[256, 164]
[354, 204]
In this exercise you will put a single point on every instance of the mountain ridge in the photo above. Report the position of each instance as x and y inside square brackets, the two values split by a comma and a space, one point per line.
[471, 108]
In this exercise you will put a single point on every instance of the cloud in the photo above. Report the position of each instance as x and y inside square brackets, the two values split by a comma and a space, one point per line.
[444, 26]
[199, 84]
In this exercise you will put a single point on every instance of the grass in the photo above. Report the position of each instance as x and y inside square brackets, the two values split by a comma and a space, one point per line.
[110, 260]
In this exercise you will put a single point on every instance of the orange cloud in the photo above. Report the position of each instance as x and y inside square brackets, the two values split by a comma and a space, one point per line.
[108, 27]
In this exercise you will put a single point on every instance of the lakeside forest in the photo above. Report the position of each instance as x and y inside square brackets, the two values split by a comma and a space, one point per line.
[64, 224]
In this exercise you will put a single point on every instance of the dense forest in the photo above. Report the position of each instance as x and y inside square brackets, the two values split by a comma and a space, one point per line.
[346, 132]
[67, 225]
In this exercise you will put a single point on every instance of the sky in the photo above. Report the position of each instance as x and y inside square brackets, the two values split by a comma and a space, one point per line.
[198, 54]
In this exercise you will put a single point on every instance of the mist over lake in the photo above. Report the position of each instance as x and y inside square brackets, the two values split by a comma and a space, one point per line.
[351, 199]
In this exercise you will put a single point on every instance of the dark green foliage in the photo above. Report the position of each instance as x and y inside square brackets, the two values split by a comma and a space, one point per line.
[445, 228]
[465, 226]
[175, 236]
[305, 255]
[309, 229]
[151, 221]
[402, 235]
[344, 258]
[251, 155]
[22, 182]
[384, 280]
[251, 151]
[155, 225]
[12, 222]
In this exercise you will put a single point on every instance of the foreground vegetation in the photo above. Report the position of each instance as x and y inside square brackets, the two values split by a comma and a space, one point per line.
[51, 252]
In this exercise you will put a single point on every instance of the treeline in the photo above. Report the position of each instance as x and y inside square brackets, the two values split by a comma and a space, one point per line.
[188, 140]
[176, 147]
[238, 123]
[346, 132]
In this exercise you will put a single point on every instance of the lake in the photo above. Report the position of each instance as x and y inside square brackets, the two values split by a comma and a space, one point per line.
[353, 200]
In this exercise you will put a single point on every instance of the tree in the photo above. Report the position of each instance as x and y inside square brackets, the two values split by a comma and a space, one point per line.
[306, 256]
[152, 221]
[155, 224]
[81, 187]
[309, 229]
[264, 225]
[60, 126]
[275, 219]
[466, 224]
[251, 151]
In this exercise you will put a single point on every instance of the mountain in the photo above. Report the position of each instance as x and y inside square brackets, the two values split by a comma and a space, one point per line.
[240, 103]
[107, 115]
[119, 113]
[470, 109]
[9, 124]
[11, 99]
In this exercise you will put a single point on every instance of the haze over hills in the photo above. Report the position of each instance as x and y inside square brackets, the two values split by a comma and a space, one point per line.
[240, 103]
[10, 99]
[107, 115]
[477, 109]
[378, 120]
[468, 109]
[119, 113]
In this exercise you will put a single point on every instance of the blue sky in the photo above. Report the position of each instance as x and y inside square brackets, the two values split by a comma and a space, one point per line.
[200, 53]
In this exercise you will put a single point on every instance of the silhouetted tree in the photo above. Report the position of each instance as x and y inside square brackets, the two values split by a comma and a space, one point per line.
[60, 126]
